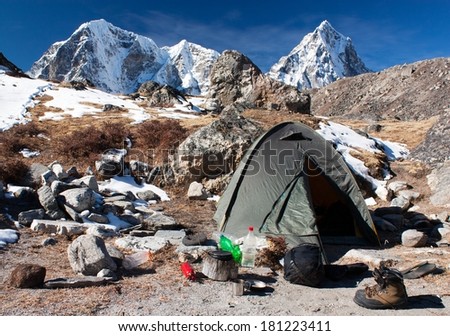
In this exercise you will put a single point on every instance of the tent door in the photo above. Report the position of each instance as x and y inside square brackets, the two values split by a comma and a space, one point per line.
[333, 216]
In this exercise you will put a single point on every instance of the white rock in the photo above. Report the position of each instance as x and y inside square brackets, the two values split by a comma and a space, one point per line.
[396, 186]
[370, 201]
[414, 238]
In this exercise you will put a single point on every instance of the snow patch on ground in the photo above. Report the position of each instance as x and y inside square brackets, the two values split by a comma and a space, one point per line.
[345, 140]
[16, 95]
[122, 184]
[8, 236]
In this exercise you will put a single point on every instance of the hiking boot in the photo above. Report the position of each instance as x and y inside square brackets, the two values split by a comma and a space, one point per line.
[388, 293]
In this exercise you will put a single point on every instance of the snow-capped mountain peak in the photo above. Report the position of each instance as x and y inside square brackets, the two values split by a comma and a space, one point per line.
[194, 64]
[116, 60]
[322, 57]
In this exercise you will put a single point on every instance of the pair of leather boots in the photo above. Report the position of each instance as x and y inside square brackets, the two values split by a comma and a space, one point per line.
[388, 293]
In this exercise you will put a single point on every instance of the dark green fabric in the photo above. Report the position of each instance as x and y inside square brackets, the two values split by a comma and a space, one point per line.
[292, 213]
[269, 189]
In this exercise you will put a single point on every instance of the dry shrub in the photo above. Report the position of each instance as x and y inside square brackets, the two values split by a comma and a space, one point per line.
[375, 162]
[270, 256]
[12, 171]
[90, 140]
[159, 137]
[19, 137]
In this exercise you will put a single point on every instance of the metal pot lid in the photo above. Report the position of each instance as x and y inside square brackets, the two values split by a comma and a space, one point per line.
[221, 255]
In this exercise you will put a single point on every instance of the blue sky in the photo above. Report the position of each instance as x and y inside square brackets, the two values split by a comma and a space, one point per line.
[385, 33]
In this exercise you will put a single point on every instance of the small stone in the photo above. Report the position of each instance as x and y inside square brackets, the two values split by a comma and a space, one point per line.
[396, 186]
[148, 195]
[48, 177]
[98, 218]
[73, 172]
[26, 217]
[400, 202]
[99, 231]
[196, 191]
[125, 205]
[49, 241]
[414, 238]
[107, 273]
[409, 195]
[58, 170]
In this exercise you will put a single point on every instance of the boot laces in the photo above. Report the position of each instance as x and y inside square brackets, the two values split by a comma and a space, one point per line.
[383, 276]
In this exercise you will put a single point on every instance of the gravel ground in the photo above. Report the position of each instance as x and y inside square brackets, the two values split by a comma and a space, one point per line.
[159, 288]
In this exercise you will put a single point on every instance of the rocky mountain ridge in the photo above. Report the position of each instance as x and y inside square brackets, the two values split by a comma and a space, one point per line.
[118, 61]
[194, 64]
[235, 79]
[417, 91]
[10, 68]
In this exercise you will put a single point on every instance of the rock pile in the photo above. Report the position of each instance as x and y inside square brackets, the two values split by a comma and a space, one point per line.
[160, 95]
[64, 202]
[414, 229]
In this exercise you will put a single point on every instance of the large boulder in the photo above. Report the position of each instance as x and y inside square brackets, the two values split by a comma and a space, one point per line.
[215, 149]
[235, 79]
[79, 199]
[27, 276]
[439, 182]
[160, 95]
[88, 255]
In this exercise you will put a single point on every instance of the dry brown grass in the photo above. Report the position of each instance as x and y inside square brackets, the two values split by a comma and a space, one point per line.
[373, 161]
[195, 123]
[410, 133]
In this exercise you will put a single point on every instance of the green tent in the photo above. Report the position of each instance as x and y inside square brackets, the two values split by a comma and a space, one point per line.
[293, 183]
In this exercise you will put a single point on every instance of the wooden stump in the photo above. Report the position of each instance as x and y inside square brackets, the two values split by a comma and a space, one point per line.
[219, 265]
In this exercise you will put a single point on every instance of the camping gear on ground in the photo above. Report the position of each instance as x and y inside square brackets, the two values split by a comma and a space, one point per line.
[240, 286]
[419, 270]
[255, 285]
[226, 244]
[293, 183]
[249, 249]
[388, 293]
[219, 265]
[237, 287]
[338, 272]
[303, 265]
[187, 271]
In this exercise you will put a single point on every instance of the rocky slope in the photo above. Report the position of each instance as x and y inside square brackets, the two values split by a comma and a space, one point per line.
[416, 91]
[236, 79]
[10, 68]
[322, 57]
